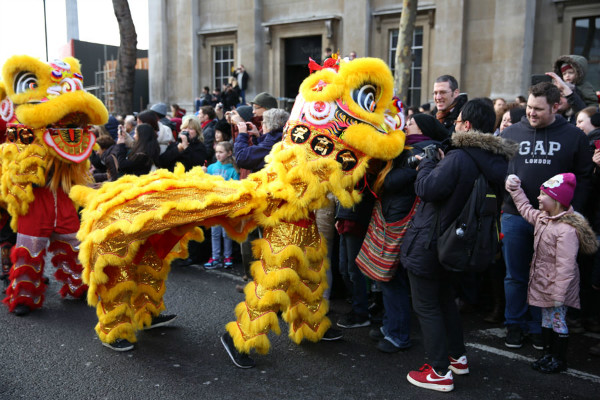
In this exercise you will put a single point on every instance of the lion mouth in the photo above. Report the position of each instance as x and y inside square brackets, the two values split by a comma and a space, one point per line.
[70, 137]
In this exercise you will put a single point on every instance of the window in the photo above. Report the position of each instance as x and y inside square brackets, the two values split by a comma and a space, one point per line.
[586, 42]
[414, 87]
[222, 64]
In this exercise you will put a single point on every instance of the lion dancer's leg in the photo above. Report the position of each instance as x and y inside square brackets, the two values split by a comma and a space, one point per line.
[26, 288]
[290, 278]
[129, 298]
[68, 269]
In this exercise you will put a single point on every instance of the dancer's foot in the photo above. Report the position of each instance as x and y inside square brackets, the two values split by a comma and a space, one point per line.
[119, 345]
[240, 360]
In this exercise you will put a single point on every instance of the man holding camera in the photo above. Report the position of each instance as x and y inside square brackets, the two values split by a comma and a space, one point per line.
[444, 187]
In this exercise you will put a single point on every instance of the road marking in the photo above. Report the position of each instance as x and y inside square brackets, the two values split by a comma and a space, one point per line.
[514, 356]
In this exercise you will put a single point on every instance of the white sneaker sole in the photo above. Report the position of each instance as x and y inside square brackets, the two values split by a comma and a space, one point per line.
[456, 371]
[231, 356]
[431, 386]
[165, 323]
[117, 348]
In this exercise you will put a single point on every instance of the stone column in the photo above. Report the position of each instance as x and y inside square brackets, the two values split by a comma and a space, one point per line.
[514, 24]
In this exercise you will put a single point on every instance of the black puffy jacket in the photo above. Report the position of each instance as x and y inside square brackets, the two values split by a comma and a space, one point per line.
[446, 186]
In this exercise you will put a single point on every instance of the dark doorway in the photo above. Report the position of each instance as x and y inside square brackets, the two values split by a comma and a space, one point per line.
[297, 52]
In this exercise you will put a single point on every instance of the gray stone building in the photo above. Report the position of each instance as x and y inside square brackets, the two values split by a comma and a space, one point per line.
[491, 46]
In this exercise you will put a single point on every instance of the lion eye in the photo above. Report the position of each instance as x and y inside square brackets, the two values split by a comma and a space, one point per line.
[25, 81]
[365, 97]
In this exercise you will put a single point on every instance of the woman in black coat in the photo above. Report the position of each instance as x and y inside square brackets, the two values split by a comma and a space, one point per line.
[395, 184]
[189, 148]
[143, 156]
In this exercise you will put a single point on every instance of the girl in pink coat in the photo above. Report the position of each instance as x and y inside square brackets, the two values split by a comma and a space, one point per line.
[554, 274]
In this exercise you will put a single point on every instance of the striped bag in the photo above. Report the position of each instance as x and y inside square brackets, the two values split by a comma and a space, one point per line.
[379, 255]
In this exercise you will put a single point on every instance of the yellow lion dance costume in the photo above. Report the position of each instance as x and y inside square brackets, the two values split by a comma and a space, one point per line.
[46, 151]
[132, 228]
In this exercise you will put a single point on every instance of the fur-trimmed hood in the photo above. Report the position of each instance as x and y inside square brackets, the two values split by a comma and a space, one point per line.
[579, 64]
[485, 141]
[587, 238]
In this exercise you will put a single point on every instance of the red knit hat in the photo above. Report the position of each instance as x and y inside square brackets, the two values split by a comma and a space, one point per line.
[561, 188]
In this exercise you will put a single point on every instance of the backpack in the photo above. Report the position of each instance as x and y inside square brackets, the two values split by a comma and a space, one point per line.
[471, 241]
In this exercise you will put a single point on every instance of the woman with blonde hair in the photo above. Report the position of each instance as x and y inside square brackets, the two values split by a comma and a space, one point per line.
[189, 148]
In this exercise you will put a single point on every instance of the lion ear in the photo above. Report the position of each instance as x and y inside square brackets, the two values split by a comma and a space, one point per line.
[74, 63]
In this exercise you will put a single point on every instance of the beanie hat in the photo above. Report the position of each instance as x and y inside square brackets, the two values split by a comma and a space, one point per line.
[431, 127]
[565, 67]
[112, 126]
[595, 120]
[265, 100]
[245, 112]
[160, 109]
[561, 188]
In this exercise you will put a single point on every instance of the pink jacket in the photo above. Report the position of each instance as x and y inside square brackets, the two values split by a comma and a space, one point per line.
[554, 275]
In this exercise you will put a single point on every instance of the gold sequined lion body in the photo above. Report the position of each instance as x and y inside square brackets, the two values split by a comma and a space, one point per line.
[133, 228]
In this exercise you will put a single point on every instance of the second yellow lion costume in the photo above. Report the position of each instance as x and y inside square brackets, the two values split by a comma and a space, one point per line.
[133, 228]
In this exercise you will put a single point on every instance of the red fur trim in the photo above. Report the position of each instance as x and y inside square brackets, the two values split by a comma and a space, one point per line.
[28, 301]
[27, 270]
[68, 259]
[23, 252]
[64, 246]
[78, 294]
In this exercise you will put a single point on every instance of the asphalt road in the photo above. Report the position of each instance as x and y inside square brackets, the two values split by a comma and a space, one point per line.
[54, 353]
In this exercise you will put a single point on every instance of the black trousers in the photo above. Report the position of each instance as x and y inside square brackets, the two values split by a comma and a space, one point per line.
[441, 326]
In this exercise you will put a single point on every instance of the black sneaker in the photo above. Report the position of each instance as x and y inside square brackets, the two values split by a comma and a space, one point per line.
[541, 361]
[553, 366]
[352, 320]
[161, 320]
[514, 337]
[240, 360]
[538, 342]
[387, 346]
[119, 345]
[376, 334]
[332, 334]
[21, 310]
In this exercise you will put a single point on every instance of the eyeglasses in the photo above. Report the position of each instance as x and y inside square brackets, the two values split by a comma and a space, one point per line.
[458, 121]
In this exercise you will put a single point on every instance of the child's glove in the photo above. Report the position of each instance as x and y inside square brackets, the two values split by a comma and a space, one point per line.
[558, 304]
[512, 182]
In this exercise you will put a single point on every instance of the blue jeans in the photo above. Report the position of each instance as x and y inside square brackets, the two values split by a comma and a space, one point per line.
[517, 249]
[350, 246]
[396, 319]
[216, 233]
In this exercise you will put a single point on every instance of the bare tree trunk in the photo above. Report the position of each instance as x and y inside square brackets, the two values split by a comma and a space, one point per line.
[125, 74]
[404, 57]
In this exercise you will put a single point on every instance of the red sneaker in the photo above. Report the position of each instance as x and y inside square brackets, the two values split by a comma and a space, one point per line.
[460, 366]
[427, 378]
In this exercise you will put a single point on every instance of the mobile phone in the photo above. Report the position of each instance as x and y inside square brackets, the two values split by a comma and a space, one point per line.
[597, 144]
[538, 78]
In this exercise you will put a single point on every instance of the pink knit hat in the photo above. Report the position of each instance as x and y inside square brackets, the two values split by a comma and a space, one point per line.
[561, 188]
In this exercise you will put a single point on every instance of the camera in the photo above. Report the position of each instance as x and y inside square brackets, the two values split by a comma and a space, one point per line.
[430, 152]
[185, 133]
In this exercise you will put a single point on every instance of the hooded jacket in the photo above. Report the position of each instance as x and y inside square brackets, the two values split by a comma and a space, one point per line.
[554, 274]
[580, 65]
[446, 186]
[557, 148]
